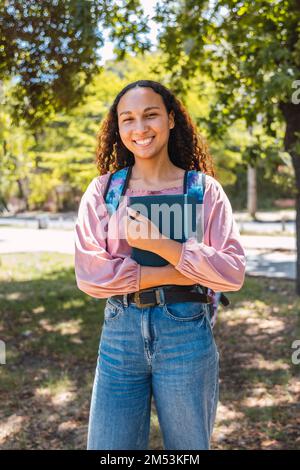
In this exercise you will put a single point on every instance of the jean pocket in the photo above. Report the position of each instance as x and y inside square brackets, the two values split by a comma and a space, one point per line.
[113, 309]
[184, 311]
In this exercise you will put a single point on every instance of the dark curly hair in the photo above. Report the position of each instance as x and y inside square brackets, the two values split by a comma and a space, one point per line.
[187, 149]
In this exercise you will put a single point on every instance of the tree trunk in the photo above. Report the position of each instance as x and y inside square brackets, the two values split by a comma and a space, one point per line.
[291, 113]
[23, 191]
[251, 191]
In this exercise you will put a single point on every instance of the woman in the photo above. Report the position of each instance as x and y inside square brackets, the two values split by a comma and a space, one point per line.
[166, 350]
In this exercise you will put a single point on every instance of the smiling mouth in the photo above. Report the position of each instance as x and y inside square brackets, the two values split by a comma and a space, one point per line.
[144, 142]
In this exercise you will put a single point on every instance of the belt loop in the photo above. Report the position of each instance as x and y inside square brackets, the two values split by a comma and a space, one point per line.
[161, 299]
[125, 300]
[199, 289]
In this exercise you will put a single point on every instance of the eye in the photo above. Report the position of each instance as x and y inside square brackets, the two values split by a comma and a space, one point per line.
[148, 115]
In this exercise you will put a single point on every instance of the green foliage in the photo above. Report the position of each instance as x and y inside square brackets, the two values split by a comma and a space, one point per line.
[52, 50]
[250, 50]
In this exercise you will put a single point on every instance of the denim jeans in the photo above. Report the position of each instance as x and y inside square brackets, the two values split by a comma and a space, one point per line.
[167, 351]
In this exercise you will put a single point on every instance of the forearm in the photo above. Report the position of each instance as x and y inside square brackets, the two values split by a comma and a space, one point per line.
[168, 249]
[152, 276]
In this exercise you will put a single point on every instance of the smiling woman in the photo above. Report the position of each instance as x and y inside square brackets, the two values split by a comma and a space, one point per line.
[157, 337]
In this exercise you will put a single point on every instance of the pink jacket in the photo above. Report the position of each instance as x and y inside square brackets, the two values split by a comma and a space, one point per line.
[103, 266]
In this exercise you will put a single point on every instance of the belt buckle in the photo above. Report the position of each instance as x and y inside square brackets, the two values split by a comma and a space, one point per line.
[136, 298]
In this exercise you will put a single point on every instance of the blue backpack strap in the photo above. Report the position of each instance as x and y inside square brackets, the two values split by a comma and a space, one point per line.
[115, 188]
[195, 184]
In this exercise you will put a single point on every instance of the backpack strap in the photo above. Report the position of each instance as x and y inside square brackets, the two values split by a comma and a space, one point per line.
[116, 187]
[195, 184]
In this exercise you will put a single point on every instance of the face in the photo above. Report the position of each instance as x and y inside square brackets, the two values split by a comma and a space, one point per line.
[144, 124]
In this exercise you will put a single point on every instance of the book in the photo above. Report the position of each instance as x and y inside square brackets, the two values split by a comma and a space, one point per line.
[175, 215]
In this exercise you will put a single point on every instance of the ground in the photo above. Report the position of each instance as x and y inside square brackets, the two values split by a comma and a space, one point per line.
[51, 331]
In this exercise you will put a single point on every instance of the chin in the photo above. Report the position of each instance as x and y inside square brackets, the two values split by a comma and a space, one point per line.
[144, 156]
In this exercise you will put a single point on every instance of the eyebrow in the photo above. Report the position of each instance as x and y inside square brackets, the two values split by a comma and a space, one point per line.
[146, 109]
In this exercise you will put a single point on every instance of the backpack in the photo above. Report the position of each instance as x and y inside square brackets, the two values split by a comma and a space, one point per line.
[194, 184]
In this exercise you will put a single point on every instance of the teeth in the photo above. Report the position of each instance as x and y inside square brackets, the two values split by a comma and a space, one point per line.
[144, 142]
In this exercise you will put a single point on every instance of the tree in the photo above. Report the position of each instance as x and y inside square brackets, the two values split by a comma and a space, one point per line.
[51, 48]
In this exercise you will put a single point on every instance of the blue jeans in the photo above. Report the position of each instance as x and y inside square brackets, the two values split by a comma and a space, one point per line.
[167, 351]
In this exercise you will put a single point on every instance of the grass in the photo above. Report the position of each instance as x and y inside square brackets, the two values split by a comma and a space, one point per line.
[52, 330]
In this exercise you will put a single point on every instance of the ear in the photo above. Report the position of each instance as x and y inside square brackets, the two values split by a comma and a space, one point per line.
[171, 119]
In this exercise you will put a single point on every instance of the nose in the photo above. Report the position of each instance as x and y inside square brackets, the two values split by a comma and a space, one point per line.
[140, 126]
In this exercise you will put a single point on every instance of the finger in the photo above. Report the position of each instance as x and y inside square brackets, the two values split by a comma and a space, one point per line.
[133, 213]
[132, 218]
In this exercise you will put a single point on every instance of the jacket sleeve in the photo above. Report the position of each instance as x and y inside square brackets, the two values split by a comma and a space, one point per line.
[99, 274]
[219, 262]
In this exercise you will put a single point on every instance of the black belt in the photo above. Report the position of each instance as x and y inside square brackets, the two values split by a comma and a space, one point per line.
[169, 294]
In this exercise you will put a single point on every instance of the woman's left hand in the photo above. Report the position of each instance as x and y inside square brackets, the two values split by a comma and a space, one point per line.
[140, 232]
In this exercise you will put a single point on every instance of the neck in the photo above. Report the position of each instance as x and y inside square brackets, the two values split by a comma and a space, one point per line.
[154, 172]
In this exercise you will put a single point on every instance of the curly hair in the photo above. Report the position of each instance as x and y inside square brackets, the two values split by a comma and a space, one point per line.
[187, 149]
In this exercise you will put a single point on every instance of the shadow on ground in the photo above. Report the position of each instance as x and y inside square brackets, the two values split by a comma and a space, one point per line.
[52, 331]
